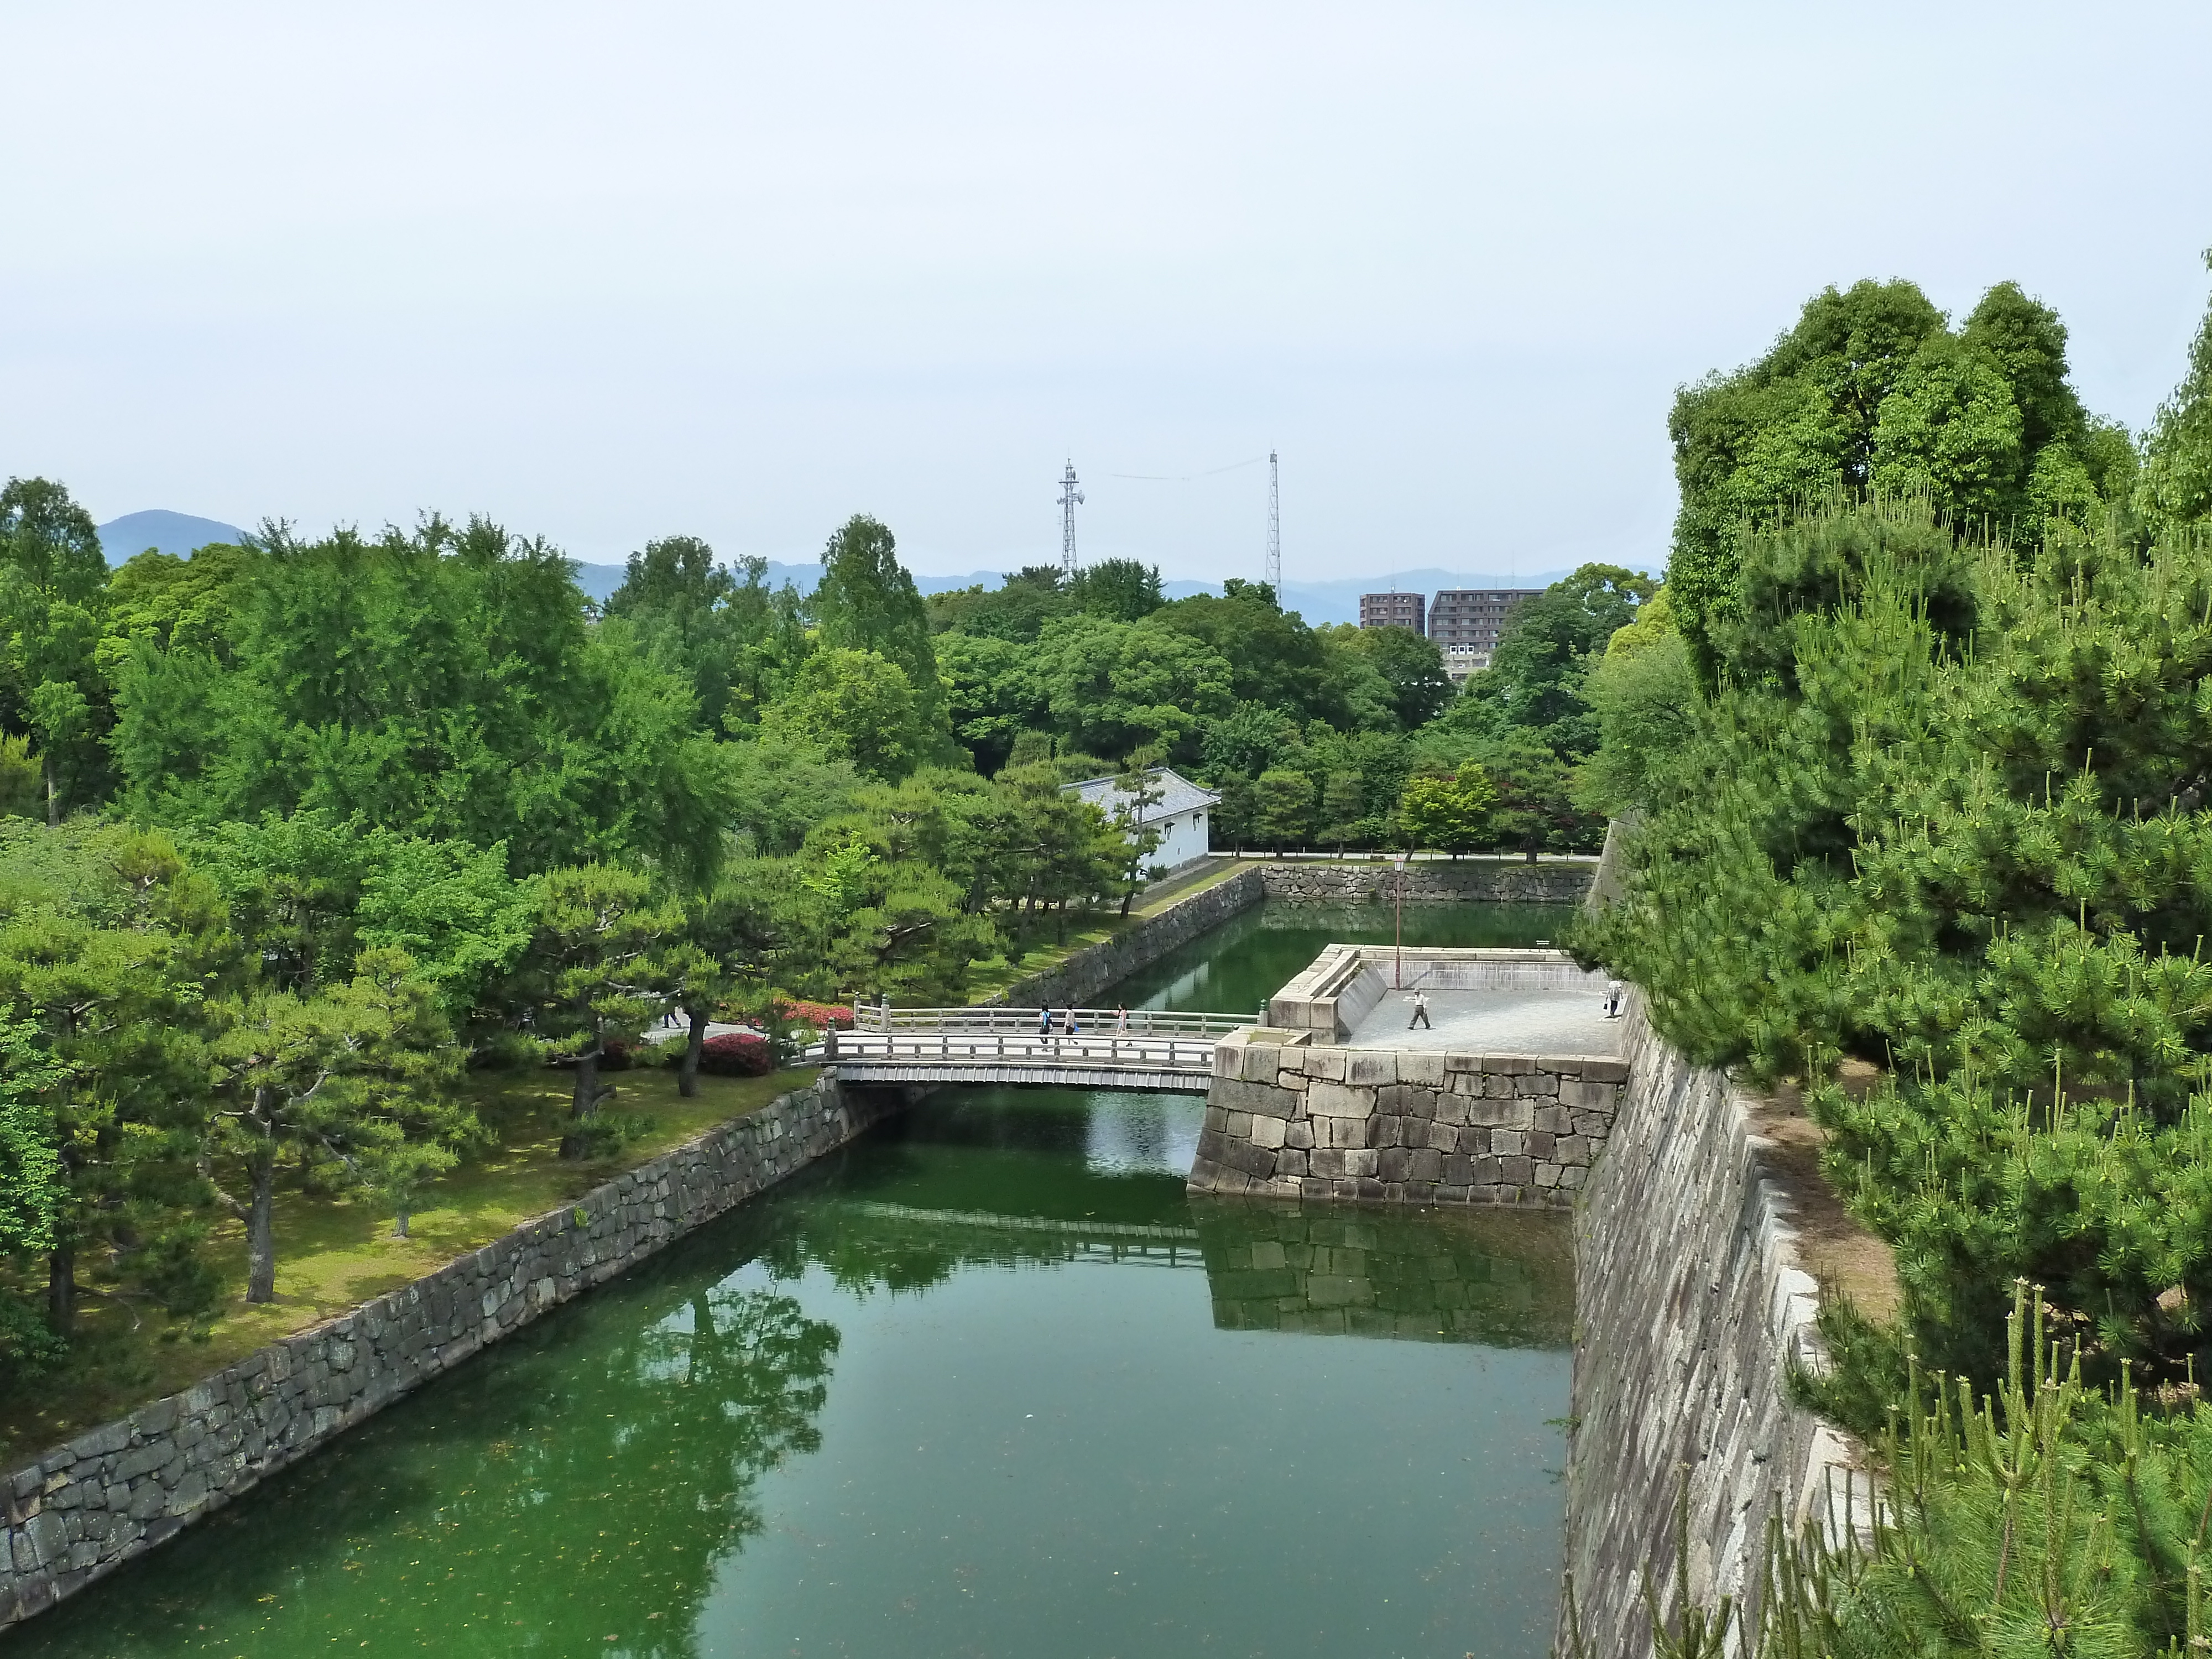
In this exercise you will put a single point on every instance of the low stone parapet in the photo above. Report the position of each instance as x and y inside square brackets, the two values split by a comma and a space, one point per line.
[1293, 1120]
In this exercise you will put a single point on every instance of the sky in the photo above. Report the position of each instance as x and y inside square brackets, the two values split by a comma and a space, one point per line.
[610, 273]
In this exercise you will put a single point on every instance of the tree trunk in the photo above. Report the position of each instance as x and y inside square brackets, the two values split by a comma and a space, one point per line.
[61, 1290]
[584, 1106]
[686, 1074]
[53, 794]
[399, 1222]
[261, 1233]
[1532, 855]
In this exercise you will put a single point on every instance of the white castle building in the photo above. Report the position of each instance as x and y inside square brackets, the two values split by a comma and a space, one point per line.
[1180, 814]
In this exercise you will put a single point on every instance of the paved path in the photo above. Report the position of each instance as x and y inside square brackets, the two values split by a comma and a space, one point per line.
[1495, 1023]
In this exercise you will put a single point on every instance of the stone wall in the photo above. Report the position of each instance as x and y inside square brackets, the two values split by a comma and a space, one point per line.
[118, 1491]
[1288, 1120]
[1094, 968]
[1428, 881]
[1691, 1309]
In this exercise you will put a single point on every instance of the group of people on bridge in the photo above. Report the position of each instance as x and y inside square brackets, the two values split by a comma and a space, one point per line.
[1066, 1024]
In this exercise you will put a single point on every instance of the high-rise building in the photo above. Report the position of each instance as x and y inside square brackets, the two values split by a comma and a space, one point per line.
[1469, 619]
[1390, 611]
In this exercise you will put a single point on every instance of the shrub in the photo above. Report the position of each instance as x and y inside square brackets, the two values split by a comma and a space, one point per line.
[819, 1015]
[737, 1053]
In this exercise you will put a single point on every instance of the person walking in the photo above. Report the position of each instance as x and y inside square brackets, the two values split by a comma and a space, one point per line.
[1071, 1019]
[1613, 994]
[1420, 1013]
[1044, 1022]
[1121, 1020]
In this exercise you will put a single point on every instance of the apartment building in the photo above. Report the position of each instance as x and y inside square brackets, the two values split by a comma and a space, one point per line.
[1391, 611]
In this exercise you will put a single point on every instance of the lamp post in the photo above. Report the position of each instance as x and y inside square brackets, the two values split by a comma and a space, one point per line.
[1399, 973]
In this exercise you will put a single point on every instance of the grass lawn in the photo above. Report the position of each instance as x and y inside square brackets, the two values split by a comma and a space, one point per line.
[333, 1253]
[1085, 929]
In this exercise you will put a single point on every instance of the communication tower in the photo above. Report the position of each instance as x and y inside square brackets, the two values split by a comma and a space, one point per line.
[1070, 499]
[1274, 576]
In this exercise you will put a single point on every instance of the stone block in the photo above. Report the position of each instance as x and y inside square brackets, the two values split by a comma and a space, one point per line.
[1509, 1143]
[1325, 1065]
[1605, 1071]
[1518, 1171]
[1359, 1162]
[1290, 1163]
[1425, 1070]
[1547, 1174]
[1392, 1162]
[1325, 1162]
[1539, 1144]
[1581, 1095]
[1239, 1127]
[1537, 1085]
[1298, 1134]
[1425, 1165]
[1387, 1132]
[1258, 1063]
[1451, 1108]
[1369, 1066]
[1571, 1149]
[1441, 1136]
[1554, 1120]
[1237, 1095]
[1509, 1065]
[1335, 1100]
[1267, 1132]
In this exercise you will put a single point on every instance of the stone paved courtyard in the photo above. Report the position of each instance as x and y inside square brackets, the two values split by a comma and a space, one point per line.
[1494, 1023]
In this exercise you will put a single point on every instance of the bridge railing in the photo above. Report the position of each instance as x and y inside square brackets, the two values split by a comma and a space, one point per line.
[1030, 1021]
[1090, 1050]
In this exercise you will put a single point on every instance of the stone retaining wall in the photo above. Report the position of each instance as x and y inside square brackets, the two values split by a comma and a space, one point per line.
[1091, 970]
[118, 1491]
[1691, 1309]
[1428, 881]
[1291, 1120]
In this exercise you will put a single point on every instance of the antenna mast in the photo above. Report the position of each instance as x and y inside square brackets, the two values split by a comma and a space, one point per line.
[1070, 499]
[1274, 576]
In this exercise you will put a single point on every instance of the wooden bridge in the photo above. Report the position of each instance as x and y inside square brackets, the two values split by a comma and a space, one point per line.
[1098, 1048]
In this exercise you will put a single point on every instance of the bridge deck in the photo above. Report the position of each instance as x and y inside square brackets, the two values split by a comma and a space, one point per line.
[1084, 1060]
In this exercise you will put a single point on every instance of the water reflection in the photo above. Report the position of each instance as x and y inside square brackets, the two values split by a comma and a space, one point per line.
[1502, 1280]
[1057, 1427]
[574, 1489]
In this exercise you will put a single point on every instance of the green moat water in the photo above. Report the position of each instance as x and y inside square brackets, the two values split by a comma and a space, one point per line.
[986, 1382]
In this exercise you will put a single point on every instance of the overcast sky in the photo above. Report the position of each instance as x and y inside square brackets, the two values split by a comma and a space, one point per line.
[612, 272]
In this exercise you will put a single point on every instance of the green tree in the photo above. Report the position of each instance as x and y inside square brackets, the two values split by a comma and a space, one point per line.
[866, 602]
[1110, 688]
[595, 973]
[2176, 488]
[1141, 786]
[1343, 808]
[346, 1081]
[1411, 666]
[1450, 811]
[53, 581]
[1282, 810]
[698, 616]
[856, 706]
[1120, 590]
[1534, 680]
[1872, 391]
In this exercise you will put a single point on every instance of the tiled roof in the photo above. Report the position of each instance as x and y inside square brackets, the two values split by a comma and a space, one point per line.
[1180, 795]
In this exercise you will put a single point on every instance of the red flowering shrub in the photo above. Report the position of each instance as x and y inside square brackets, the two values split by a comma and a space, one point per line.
[737, 1053]
[820, 1015]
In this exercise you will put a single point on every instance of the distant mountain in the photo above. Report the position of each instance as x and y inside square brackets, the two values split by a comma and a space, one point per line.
[175, 533]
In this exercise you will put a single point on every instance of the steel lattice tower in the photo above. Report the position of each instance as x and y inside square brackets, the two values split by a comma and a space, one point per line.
[1274, 576]
[1070, 499]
